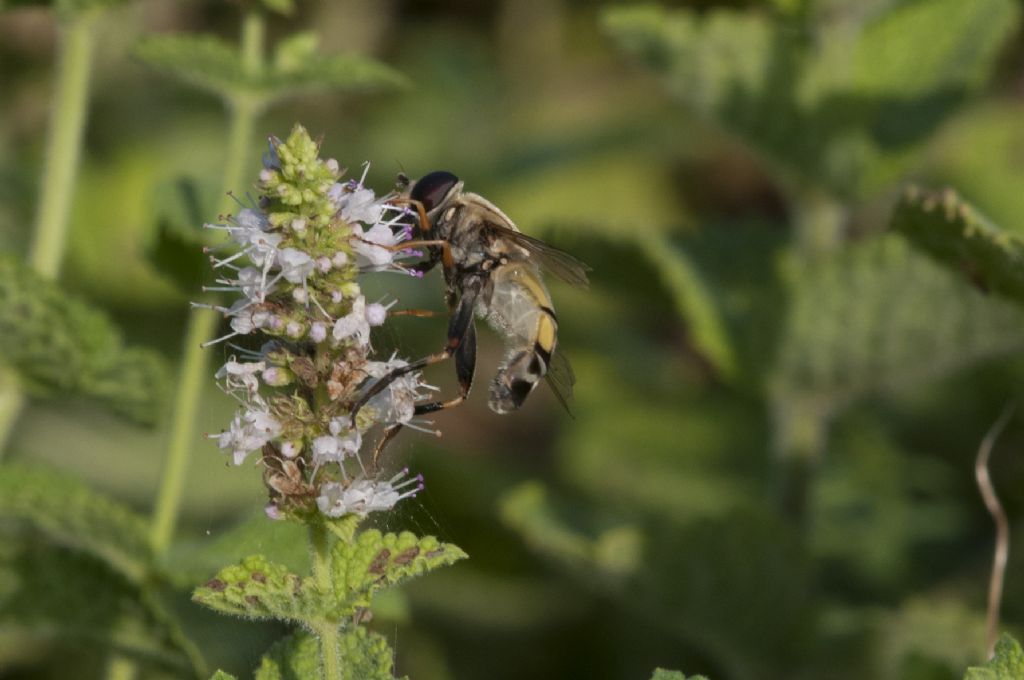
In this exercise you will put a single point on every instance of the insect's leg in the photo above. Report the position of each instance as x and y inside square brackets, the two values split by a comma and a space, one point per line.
[389, 434]
[420, 211]
[446, 249]
[420, 313]
[465, 367]
[458, 327]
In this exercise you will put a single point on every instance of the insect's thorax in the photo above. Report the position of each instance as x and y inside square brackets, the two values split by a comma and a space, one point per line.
[513, 298]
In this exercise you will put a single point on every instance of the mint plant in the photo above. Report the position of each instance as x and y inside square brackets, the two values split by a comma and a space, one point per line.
[248, 81]
[300, 250]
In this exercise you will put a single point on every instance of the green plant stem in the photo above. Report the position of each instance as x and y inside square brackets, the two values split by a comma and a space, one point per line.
[67, 123]
[63, 149]
[326, 631]
[194, 371]
[12, 399]
[801, 431]
[243, 110]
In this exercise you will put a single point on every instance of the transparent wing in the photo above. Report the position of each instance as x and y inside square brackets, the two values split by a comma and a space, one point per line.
[558, 262]
[561, 379]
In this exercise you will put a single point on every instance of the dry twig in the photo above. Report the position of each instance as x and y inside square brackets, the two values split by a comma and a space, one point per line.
[995, 508]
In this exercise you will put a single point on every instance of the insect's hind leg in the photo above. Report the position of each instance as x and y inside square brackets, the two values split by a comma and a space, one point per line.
[465, 368]
[461, 342]
[385, 439]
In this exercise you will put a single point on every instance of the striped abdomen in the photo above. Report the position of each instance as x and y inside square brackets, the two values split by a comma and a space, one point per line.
[520, 308]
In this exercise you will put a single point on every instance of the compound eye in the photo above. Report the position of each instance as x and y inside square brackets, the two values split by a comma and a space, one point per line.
[431, 189]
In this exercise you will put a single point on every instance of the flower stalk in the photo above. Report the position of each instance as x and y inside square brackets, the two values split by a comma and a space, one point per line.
[302, 367]
[303, 245]
[328, 632]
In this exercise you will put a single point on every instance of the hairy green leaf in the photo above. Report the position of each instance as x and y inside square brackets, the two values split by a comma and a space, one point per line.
[375, 560]
[72, 514]
[694, 301]
[365, 656]
[344, 73]
[847, 111]
[259, 589]
[952, 231]
[92, 604]
[879, 317]
[60, 346]
[216, 66]
[293, 658]
[294, 51]
[1007, 664]
[207, 62]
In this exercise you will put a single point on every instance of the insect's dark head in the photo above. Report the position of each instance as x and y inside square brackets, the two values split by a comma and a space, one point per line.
[434, 190]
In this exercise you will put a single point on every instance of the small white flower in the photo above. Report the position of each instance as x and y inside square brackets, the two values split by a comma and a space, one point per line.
[355, 202]
[296, 266]
[253, 284]
[363, 496]
[276, 376]
[251, 231]
[318, 331]
[376, 313]
[241, 375]
[354, 324]
[245, 317]
[396, 403]
[249, 431]
[374, 247]
[333, 448]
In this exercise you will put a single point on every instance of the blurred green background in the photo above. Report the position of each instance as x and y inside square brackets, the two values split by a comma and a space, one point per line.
[770, 469]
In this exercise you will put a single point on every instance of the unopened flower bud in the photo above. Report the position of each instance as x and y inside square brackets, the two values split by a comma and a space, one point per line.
[276, 376]
[376, 314]
[318, 332]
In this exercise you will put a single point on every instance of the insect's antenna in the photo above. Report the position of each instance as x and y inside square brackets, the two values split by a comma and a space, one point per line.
[403, 181]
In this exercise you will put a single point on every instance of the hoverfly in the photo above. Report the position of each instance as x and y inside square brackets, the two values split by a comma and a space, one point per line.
[491, 270]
